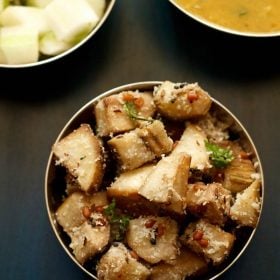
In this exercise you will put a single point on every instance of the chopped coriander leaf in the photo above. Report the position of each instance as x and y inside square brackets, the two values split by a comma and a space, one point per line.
[219, 156]
[119, 223]
[83, 157]
[131, 111]
[109, 211]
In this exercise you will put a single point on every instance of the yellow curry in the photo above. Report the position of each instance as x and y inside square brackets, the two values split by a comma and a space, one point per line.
[242, 15]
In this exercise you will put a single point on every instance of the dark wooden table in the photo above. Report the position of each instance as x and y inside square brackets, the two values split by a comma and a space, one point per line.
[141, 40]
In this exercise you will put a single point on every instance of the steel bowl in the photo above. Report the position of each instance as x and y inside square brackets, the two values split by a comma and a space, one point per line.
[55, 186]
[222, 28]
[108, 9]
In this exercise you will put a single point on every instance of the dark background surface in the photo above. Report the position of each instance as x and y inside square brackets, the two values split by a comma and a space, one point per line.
[141, 40]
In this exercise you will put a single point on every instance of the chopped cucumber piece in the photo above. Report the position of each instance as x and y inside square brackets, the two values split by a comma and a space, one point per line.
[3, 4]
[22, 15]
[38, 3]
[19, 44]
[69, 19]
[3, 59]
[49, 45]
[98, 6]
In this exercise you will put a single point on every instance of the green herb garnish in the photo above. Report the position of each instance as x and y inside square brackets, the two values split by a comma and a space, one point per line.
[219, 156]
[130, 109]
[119, 223]
[109, 211]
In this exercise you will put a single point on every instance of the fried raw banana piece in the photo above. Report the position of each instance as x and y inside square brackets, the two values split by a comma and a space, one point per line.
[142, 145]
[129, 182]
[125, 191]
[153, 238]
[80, 217]
[70, 212]
[131, 150]
[81, 153]
[111, 116]
[192, 142]
[208, 240]
[187, 264]
[98, 198]
[211, 202]
[247, 205]
[239, 174]
[181, 101]
[118, 263]
[90, 237]
[156, 138]
[71, 184]
[168, 182]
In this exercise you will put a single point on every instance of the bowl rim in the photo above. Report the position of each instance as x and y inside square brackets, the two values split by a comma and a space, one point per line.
[142, 86]
[222, 28]
[109, 6]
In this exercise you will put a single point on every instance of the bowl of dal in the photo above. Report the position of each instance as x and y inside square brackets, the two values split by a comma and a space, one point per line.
[258, 18]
